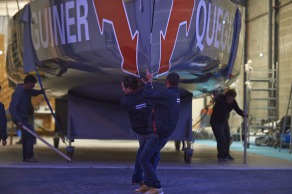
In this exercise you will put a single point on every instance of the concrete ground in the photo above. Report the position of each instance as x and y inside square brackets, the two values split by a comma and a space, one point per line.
[105, 166]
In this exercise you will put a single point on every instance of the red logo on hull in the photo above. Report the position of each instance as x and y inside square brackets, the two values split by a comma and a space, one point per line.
[180, 14]
[118, 18]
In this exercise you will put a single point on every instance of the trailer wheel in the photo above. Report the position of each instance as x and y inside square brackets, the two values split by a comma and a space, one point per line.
[70, 151]
[188, 154]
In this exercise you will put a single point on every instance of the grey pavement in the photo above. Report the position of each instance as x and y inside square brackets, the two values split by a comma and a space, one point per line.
[105, 166]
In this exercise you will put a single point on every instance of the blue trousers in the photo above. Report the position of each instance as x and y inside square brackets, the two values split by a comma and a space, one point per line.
[138, 175]
[28, 142]
[151, 150]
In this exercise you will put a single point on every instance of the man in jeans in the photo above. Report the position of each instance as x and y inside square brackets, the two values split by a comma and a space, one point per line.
[162, 123]
[21, 109]
[139, 112]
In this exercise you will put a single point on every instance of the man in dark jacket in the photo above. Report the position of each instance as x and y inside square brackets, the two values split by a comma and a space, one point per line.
[20, 109]
[162, 123]
[139, 112]
[3, 124]
[224, 104]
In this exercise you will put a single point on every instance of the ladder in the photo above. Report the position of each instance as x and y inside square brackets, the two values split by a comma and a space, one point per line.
[262, 105]
[285, 125]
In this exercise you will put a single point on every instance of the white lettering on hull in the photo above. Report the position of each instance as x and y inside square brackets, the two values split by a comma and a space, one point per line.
[50, 29]
[213, 30]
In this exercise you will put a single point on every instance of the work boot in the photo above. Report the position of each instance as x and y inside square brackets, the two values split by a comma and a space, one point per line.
[18, 142]
[137, 183]
[31, 160]
[229, 157]
[155, 191]
[222, 159]
[144, 188]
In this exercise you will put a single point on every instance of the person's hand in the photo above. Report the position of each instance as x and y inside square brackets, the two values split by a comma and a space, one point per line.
[4, 142]
[144, 81]
[19, 124]
[149, 76]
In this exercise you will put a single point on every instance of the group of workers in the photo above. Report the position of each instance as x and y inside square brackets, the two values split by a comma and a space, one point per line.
[162, 108]
[153, 117]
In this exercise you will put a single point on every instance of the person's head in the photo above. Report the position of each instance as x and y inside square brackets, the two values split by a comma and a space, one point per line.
[172, 79]
[129, 84]
[230, 95]
[215, 94]
[29, 82]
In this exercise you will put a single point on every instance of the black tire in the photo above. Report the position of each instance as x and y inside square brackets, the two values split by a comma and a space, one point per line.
[189, 158]
[70, 152]
[188, 154]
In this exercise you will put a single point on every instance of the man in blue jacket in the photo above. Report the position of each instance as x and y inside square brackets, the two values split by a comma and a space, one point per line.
[139, 112]
[3, 124]
[162, 123]
[20, 109]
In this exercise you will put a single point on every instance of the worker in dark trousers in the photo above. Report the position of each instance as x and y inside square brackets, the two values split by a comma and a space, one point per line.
[139, 112]
[21, 109]
[3, 124]
[224, 104]
[162, 123]
[177, 145]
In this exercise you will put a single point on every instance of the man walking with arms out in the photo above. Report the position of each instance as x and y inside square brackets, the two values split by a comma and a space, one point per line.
[162, 123]
[139, 112]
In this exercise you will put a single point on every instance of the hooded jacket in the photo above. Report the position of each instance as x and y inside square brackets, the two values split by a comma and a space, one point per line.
[166, 109]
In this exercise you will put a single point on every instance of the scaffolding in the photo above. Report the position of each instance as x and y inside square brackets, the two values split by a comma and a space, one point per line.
[262, 105]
